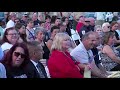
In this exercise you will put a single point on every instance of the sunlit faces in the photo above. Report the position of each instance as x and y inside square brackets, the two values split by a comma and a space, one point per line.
[48, 20]
[111, 40]
[63, 27]
[97, 40]
[55, 31]
[57, 22]
[115, 27]
[42, 25]
[18, 56]
[40, 36]
[106, 28]
[66, 43]
[12, 36]
[91, 41]
[82, 19]
[98, 30]
[31, 24]
[22, 30]
[66, 21]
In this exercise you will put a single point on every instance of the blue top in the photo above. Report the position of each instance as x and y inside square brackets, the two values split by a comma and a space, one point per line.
[1, 53]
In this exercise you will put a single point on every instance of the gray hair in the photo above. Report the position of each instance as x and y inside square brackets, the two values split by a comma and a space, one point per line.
[38, 29]
[86, 35]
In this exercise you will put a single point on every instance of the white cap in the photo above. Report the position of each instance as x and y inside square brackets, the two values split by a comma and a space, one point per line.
[10, 24]
[6, 46]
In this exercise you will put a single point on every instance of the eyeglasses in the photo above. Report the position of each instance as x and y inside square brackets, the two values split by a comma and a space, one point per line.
[18, 53]
[87, 21]
[13, 34]
[115, 26]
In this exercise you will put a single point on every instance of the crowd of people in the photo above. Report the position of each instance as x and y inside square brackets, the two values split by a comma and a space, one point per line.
[58, 47]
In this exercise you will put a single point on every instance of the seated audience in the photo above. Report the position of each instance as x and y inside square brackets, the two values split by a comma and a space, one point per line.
[109, 55]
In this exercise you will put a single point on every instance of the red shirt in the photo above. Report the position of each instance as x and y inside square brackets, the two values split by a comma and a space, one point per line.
[62, 66]
[79, 25]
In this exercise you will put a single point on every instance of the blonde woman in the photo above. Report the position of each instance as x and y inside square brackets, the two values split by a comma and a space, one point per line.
[60, 63]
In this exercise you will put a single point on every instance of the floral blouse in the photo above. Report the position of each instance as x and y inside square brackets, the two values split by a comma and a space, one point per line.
[107, 62]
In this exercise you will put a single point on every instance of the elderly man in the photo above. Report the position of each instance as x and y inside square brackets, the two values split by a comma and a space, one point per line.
[83, 54]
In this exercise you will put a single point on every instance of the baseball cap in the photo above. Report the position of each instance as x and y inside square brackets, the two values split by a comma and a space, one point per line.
[10, 24]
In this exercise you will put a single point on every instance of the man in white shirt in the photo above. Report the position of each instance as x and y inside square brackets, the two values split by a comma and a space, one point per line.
[83, 54]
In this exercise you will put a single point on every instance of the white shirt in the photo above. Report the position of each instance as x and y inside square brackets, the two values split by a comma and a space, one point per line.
[80, 54]
[35, 64]
[118, 31]
[2, 71]
[47, 71]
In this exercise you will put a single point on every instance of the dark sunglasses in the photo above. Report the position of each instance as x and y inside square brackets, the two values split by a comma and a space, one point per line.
[87, 21]
[18, 53]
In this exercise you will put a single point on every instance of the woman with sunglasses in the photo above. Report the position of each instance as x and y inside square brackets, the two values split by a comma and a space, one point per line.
[15, 60]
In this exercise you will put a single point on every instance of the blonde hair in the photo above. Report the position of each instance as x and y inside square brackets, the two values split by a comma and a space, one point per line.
[97, 26]
[57, 41]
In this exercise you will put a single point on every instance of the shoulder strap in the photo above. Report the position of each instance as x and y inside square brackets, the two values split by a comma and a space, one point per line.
[31, 34]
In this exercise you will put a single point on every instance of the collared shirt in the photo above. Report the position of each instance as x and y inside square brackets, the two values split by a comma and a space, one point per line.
[82, 55]
[38, 69]
[35, 64]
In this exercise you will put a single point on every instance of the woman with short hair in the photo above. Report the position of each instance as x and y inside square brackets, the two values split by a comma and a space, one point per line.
[60, 63]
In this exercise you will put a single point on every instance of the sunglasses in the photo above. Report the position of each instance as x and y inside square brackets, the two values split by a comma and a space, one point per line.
[18, 53]
[87, 21]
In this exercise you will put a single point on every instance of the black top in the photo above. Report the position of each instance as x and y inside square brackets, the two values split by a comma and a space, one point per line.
[96, 56]
[32, 72]
[36, 22]
[15, 72]
[46, 52]
[117, 37]
[84, 28]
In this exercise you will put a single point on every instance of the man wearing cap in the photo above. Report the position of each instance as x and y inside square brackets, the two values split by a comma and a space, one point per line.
[24, 19]
[35, 19]
[85, 28]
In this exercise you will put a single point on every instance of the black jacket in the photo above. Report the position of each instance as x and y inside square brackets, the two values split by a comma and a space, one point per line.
[32, 72]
